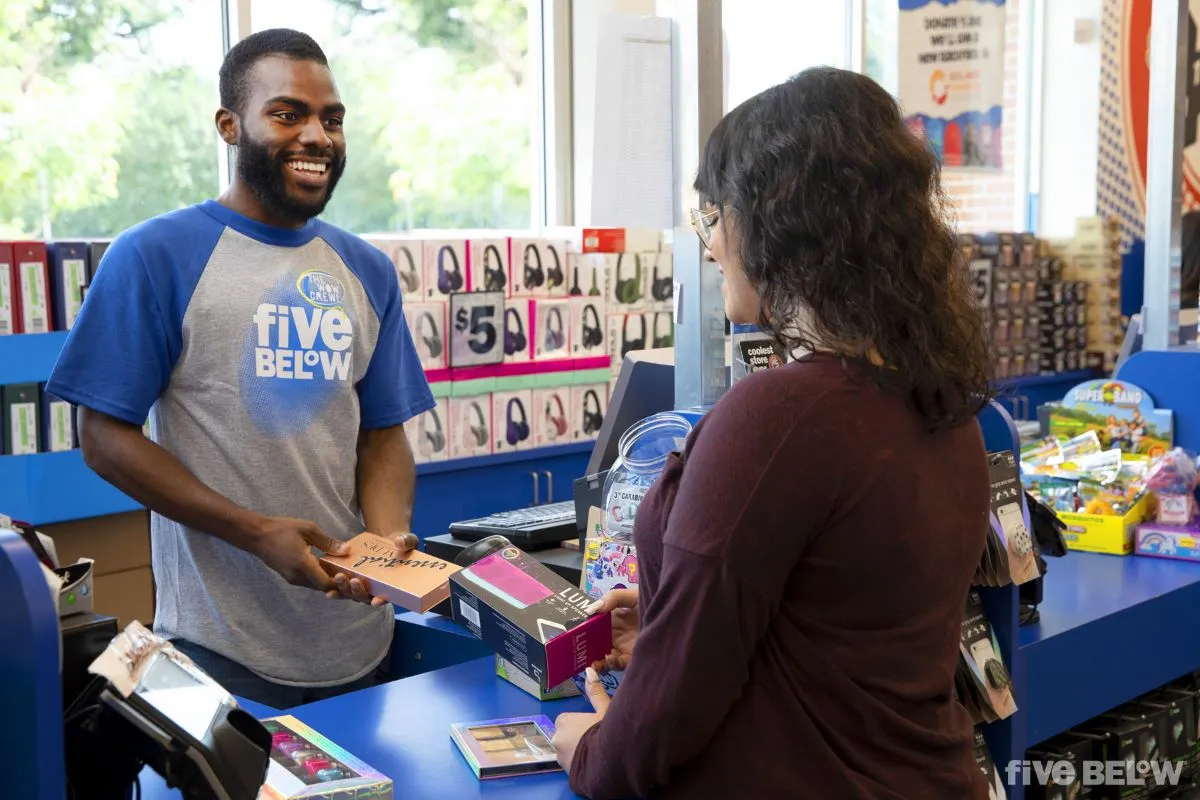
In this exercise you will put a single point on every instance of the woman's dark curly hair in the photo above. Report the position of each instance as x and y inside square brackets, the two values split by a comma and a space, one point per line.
[840, 223]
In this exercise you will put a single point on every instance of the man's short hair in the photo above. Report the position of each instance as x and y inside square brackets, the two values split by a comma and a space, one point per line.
[242, 57]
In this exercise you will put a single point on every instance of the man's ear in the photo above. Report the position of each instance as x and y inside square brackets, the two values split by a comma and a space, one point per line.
[228, 126]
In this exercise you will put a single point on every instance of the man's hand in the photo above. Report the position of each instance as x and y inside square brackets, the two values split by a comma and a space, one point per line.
[356, 589]
[284, 544]
[626, 623]
[570, 728]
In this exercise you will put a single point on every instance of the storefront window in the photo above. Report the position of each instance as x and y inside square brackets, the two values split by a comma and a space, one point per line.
[106, 113]
[441, 109]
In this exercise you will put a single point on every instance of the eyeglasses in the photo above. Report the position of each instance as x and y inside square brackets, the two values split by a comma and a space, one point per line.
[703, 223]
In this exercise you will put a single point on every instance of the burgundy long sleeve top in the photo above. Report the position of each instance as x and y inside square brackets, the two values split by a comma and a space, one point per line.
[804, 567]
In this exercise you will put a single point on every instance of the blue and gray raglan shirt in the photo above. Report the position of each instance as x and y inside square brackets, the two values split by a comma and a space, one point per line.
[257, 353]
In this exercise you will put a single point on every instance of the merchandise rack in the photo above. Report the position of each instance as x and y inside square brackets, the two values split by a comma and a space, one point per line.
[1110, 626]
[48, 488]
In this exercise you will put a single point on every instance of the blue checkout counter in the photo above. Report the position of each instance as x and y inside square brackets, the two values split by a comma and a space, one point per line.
[402, 729]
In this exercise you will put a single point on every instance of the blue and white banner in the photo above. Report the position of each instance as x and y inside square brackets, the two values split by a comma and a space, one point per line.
[951, 77]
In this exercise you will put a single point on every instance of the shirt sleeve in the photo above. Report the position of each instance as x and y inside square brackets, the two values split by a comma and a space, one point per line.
[117, 357]
[394, 388]
[724, 570]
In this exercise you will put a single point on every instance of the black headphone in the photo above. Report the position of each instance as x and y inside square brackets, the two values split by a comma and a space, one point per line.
[554, 278]
[628, 344]
[410, 280]
[514, 340]
[534, 277]
[448, 282]
[629, 291]
[480, 431]
[592, 336]
[433, 339]
[592, 420]
[430, 442]
[555, 339]
[662, 341]
[661, 288]
[517, 430]
[575, 290]
[493, 279]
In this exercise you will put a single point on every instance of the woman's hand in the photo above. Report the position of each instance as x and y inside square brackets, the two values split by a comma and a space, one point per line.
[570, 727]
[622, 604]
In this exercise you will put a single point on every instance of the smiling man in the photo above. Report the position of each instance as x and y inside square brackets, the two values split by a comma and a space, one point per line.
[270, 352]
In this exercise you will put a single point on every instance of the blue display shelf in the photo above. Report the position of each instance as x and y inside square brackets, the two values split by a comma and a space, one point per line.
[1112, 628]
[45, 488]
[1027, 381]
[29, 357]
[1022, 396]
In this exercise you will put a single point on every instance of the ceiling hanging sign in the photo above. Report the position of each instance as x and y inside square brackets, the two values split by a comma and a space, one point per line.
[1135, 100]
[952, 78]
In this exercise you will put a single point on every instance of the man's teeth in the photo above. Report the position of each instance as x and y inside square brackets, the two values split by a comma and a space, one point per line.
[307, 166]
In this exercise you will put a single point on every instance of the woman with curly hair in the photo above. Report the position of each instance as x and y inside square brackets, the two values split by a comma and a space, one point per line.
[806, 559]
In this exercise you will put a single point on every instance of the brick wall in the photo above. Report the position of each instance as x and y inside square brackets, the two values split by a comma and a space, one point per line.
[984, 202]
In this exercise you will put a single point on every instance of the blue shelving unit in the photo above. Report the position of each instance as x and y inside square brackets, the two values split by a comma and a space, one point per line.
[1022, 396]
[47, 488]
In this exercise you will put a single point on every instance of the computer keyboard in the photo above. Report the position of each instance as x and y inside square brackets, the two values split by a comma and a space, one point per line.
[524, 527]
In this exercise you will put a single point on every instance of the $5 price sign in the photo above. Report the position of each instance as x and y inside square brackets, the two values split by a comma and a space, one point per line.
[476, 328]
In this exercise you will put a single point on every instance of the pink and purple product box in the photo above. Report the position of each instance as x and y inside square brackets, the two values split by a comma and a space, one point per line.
[305, 765]
[530, 616]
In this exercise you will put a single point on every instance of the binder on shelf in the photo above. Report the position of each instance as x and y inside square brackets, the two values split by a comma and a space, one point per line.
[58, 423]
[10, 311]
[96, 250]
[33, 287]
[20, 418]
[68, 263]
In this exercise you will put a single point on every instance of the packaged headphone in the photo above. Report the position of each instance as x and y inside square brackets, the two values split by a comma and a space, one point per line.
[495, 274]
[552, 329]
[449, 270]
[628, 291]
[628, 343]
[591, 410]
[667, 337]
[534, 273]
[587, 328]
[431, 441]
[554, 277]
[555, 420]
[471, 426]
[514, 332]
[410, 276]
[427, 323]
[662, 283]
[516, 427]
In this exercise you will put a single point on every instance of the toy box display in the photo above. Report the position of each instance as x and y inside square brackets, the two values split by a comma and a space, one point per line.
[1093, 468]
[304, 764]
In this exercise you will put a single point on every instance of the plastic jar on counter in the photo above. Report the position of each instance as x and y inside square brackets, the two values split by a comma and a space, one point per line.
[641, 455]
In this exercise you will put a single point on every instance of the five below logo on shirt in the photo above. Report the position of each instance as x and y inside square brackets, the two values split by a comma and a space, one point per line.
[305, 342]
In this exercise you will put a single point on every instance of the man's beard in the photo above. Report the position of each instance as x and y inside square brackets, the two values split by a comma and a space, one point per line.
[265, 176]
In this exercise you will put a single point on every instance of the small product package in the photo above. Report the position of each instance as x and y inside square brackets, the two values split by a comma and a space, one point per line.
[1011, 553]
[529, 615]
[983, 683]
[607, 564]
[1173, 480]
[413, 580]
[506, 671]
[500, 748]
[305, 765]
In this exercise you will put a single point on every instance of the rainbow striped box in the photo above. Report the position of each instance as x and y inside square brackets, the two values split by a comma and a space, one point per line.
[304, 764]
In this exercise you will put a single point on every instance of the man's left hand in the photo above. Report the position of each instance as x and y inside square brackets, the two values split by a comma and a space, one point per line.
[570, 728]
[351, 588]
